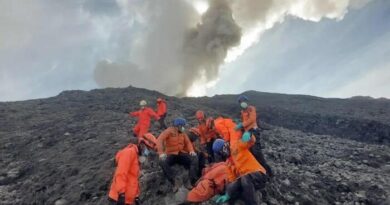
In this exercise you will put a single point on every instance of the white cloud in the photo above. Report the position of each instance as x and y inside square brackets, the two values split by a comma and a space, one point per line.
[374, 83]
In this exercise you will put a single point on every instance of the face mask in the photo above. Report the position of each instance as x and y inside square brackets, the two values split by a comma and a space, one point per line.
[244, 105]
[226, 150]
[146, 152]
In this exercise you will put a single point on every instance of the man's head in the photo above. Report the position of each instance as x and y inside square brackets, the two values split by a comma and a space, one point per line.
[200, 116]
[180, 124]
[243, 101]
[159, 100]
[143, 103]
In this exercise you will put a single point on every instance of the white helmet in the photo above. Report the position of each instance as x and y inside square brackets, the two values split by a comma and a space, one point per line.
[143, 103]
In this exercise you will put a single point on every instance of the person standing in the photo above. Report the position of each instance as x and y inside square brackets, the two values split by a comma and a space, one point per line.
[162, 112]
[249, 126]
[144, 116]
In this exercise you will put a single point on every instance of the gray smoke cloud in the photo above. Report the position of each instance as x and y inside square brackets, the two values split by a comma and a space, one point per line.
[175, 46]
[178, 49]
[206, 46]
[153, 61]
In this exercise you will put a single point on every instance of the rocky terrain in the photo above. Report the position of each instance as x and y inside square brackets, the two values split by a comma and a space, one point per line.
[324, 151]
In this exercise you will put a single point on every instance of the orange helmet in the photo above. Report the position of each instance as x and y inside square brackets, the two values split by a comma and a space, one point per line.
[149, 140]
[210, 123]
[199, 115]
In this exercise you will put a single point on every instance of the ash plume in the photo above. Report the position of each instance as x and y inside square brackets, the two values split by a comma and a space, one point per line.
[175, 46]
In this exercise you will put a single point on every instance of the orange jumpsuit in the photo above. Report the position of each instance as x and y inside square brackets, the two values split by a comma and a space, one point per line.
[225, 127]
[205, 133]
[172, 142]
[242, 158]
[161, 108]
[126, 175]
[144, 115]
[212, 182]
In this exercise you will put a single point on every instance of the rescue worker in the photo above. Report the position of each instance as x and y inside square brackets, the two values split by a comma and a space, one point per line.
[125, 186]
[213, 182]
[174, 147]
[249, 124]
[162, 112]
[251, 175]
[144, 115]
[207, 134]
[225, 127]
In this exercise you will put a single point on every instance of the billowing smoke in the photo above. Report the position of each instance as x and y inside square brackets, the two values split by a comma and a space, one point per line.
[179, 48]
[206, 46]
[176, 49]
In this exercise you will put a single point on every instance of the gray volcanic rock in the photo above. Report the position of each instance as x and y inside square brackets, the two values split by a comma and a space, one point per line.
[358, 118]
[60, 150]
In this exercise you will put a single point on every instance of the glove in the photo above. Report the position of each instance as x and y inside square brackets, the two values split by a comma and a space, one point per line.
[121, 199]
[163, 156]
[246, 136]
[238, 126]
[222, 199]
[193, 154]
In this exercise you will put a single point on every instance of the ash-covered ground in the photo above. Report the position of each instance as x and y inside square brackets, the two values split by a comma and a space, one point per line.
[324, 151]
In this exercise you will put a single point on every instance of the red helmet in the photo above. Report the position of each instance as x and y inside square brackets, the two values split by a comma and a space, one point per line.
[199, 115]
[210, 123]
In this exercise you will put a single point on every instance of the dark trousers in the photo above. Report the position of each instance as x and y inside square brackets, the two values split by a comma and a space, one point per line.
[184, 159]
[112, 202]
[258, 153]
[162, 121]
[201, 163]
[245, 187]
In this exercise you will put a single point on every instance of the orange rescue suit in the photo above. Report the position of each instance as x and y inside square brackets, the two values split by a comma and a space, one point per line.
[161, 107]
[243, 160]
[171, 141]
[248, 117]
[212, 182]
[144, 115]
[225, 127]
[126, 174]
[205, 133]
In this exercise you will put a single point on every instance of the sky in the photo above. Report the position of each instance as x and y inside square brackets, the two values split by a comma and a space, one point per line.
[334, 50]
